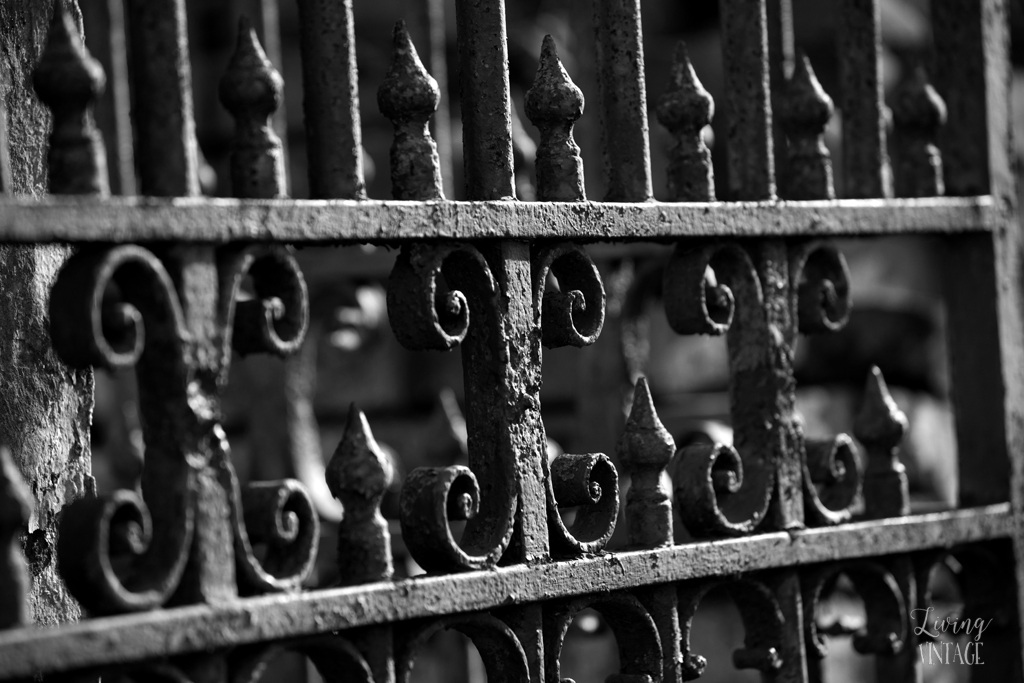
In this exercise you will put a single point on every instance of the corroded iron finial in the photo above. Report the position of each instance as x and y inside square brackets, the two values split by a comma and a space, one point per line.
[805, 110]
[15, 510]
[251, 90]
[918, 112]
[409, 97]
[554, 104]
[645, 450]
[880, 426]
[358, 475]
[685, 109]
[68, 81]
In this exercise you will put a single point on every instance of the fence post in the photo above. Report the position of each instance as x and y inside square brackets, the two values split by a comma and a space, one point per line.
[45, 407]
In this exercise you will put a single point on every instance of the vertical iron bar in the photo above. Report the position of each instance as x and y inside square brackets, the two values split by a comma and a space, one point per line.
[620, 67]
[866, 170]
[486, 102]
[984, 301]
[105, 33]
[168, 167]
[781, 56]
[748, 97]
[428, 30]
[331, 100]
[162, 85]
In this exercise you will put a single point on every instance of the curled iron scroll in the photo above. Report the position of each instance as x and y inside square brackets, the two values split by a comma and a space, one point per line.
[832, 478]
[275, 320]
[117, 307]
[821, 279]
[335, 659]
[430, 312]
[636, 634]
[498, 645]
[713, 288]
[886, 630]
[762, 623]
[277, 514]
[440, 296]
[590, 482]
[573, 315]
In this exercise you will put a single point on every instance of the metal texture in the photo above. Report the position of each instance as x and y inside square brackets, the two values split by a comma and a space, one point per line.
[195, 578]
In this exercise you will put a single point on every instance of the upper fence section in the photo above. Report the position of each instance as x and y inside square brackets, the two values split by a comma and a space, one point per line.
[941, 137]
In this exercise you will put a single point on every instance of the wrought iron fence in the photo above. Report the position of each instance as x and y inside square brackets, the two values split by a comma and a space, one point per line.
[198, 578]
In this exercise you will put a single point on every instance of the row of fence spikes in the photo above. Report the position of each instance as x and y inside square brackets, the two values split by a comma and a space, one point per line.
[68, 80]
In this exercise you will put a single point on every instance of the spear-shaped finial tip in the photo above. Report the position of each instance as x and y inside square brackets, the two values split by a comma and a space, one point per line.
[645, 441]
[408, 92]
[685, 104]
[918, 105]
[553, 96]
[805, 105]
[358, 468]
[251, 86]
[880, 422]
[66, 73]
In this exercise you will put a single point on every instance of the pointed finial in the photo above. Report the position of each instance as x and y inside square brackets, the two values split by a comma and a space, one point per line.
[358, 475]
[408, 97]
[880, 426]
[804, 111]
[251, 90]
[918, 112]
[645, 450]
[553, 105]
[15, 510]
[685, 109]
[68, 81]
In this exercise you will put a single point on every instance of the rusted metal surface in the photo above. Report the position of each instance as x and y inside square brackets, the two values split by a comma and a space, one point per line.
[866, 169]
[199, 579]
[220, 221]
[331, 99]
[622, 87]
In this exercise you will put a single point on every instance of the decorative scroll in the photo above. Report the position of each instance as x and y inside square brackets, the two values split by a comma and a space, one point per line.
[426, 315]
[554, 104]
[821, 279]
[634, 629]
[573, 316]
[887, 630]
[714, 289]
[335, 659]
[762, 621]
[118, 307]
[832, 477]
[498, 645]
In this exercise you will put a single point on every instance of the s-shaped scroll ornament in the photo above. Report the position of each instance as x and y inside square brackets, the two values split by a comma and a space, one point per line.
[714, 289]
[117, 307]
[572, 314]
[441, 296]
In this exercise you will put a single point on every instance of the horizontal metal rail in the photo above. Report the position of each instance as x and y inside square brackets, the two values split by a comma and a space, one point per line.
[83, 219]
[169, 632]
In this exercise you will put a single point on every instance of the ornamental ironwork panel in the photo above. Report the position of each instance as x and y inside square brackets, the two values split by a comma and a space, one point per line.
[195, 577]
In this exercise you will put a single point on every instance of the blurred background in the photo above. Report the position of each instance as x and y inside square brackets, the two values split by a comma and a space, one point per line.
[285, 418]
